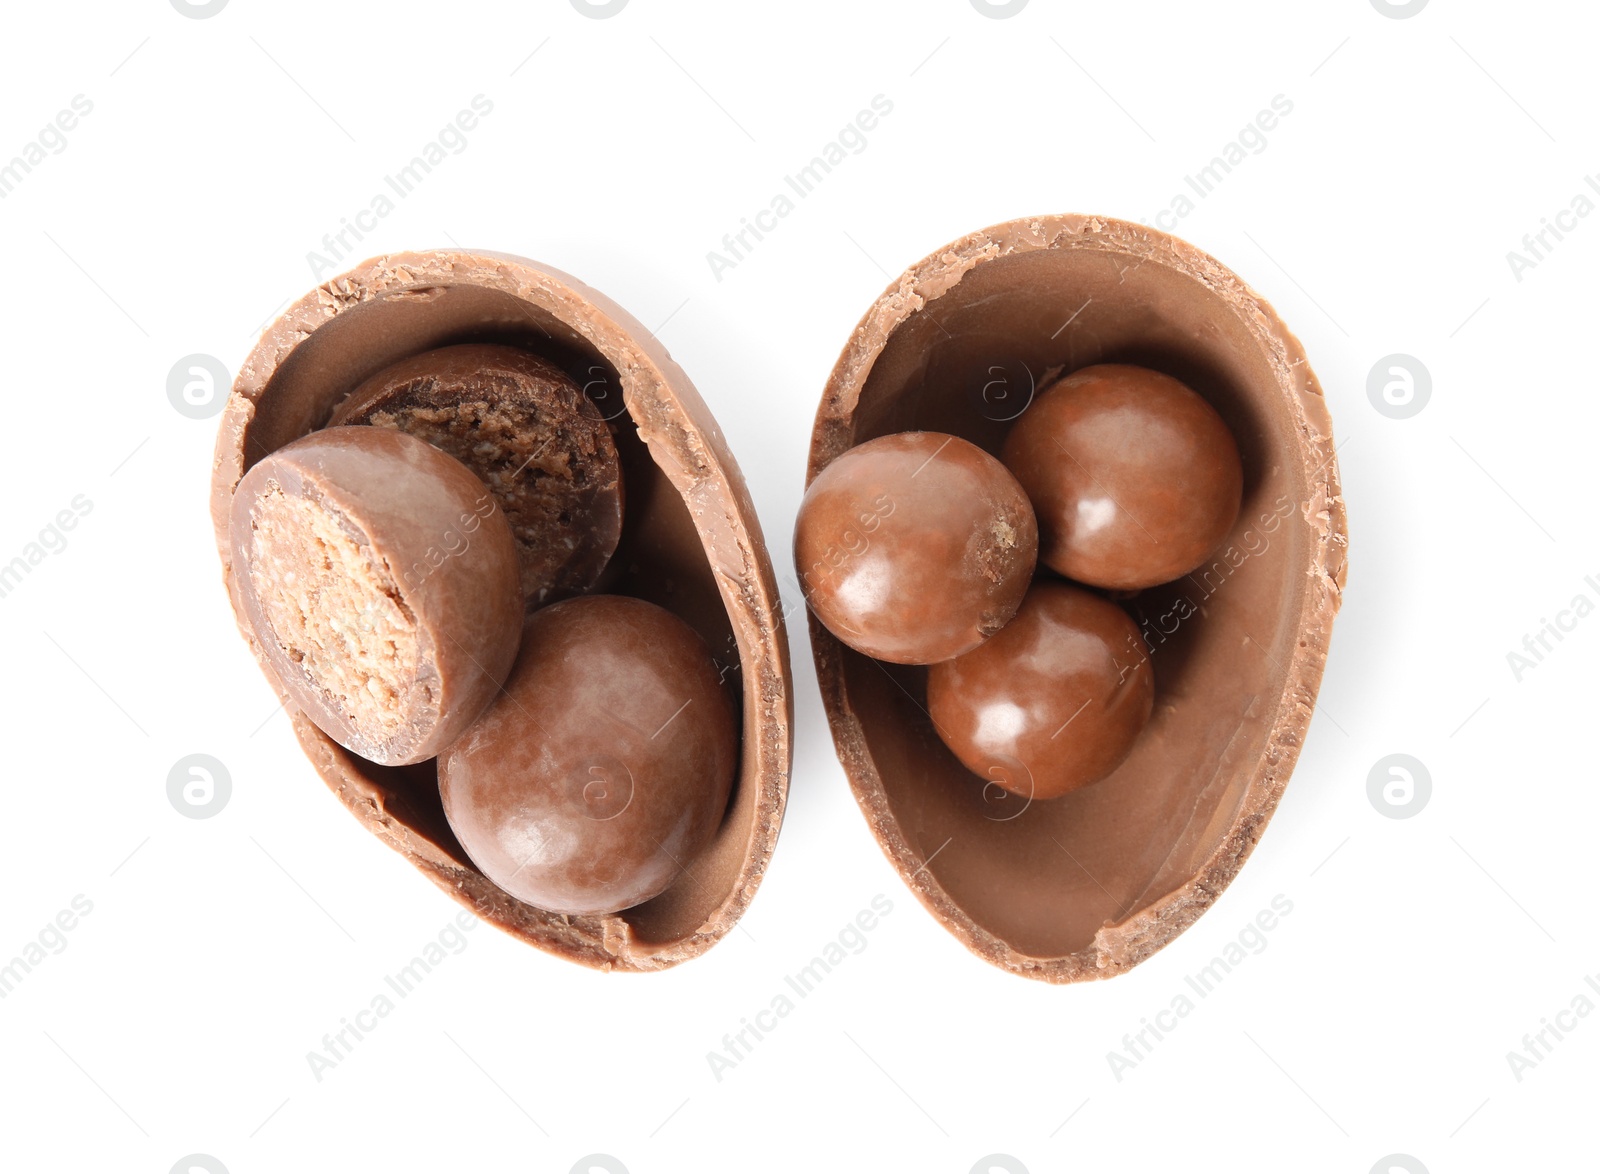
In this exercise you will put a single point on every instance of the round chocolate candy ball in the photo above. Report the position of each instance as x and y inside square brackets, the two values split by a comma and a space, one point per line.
[1054, 701]
[526, 428]
[603, 767]
[1135, 478]
[915, 547]
[380, 579]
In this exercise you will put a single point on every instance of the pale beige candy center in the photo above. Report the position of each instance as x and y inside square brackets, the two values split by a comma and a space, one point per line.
[336, 611]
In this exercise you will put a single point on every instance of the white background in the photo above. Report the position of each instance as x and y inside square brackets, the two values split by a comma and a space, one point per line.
[178, 219]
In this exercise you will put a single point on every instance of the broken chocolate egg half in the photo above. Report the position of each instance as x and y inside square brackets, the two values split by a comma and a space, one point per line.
[689, 542]
[1091, 883]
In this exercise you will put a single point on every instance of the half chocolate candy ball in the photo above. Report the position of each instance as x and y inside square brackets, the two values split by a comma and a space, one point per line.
[1091, 883]
[392, 647]
[686, 540]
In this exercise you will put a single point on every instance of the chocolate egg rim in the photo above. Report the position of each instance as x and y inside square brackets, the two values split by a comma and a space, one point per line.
[686, 445]
[1119, 946]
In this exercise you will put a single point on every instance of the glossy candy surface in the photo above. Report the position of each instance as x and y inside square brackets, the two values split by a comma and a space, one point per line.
[1052, 702]
[1134, 477]
[915, 547]
[604, 766]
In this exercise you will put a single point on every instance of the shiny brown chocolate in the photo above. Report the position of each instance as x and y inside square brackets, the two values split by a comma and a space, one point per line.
[914, 548]
[525, 427]
[603, 768]
[380, 579]
[1053, 701]
[1134, 477]
[1090, 884]
[691, 542]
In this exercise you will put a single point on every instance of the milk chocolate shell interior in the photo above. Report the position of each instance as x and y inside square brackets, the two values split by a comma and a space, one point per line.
[1093, 883]
[690, 543]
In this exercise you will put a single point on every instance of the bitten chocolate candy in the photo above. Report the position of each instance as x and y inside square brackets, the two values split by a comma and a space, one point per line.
[1053, 701]
[1134, 477]
[381, 580]
[915, 547]
[1090, 884]
[524, 426]
[605, 765]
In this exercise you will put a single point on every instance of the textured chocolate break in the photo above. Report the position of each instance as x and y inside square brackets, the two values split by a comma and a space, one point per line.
[335, 610]
[379, 582]
[527, 430]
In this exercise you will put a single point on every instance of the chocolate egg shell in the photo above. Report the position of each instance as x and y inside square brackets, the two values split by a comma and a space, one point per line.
[1090, 884]
[690, 543]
